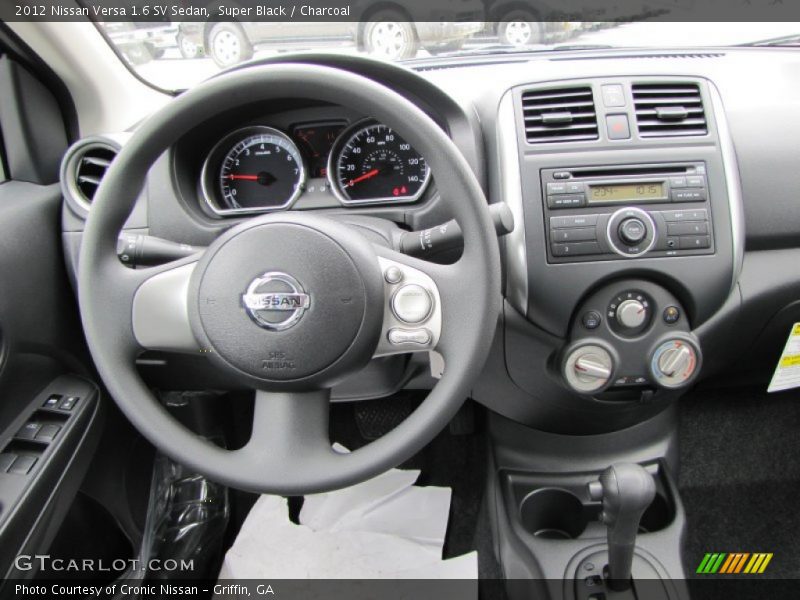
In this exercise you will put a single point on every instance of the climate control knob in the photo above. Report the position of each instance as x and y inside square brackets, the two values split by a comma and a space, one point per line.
[631, 314]
[589, 368]
[674, 363]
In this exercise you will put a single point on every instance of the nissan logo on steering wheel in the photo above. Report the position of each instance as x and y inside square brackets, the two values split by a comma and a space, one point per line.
[275, 301]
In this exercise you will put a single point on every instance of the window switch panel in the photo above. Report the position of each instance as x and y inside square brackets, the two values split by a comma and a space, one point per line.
[47, 433]
[6, 460]
[23, 464]
[28, 431]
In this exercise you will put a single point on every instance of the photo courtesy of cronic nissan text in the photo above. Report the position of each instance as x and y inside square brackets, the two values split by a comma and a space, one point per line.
[399, 299]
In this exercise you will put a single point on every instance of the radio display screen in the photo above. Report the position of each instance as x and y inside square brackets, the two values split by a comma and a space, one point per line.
[626, 192]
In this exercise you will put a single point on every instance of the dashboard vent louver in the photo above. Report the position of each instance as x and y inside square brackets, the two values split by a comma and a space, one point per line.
[559, 115]
[91, 163]
[669, 109]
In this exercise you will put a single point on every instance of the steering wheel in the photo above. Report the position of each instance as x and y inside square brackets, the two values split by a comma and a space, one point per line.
[289, 303]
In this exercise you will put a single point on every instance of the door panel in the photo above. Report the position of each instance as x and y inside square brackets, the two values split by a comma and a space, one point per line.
[45, 445]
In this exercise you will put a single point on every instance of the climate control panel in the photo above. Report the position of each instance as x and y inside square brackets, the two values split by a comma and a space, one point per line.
[632, 336]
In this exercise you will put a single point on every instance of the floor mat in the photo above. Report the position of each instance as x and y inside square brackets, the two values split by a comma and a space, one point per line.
[740, 476]
[455, 461]
[385, 527]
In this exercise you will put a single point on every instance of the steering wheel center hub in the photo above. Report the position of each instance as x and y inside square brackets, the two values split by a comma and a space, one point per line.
[266, 295]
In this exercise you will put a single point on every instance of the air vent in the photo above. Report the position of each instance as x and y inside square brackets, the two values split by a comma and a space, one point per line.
[669, 109]
[560, 115]
[89, 164]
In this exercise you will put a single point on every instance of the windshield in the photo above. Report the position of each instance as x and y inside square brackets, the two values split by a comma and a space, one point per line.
[176, 55]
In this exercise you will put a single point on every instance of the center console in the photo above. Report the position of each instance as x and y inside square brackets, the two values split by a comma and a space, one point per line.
[628, 238]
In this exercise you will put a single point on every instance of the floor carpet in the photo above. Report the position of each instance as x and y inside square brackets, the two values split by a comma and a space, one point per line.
[740, 477]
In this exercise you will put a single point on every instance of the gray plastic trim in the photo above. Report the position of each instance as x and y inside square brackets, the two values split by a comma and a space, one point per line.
[432, 323]
[732, 182]
[516, 249]
[161, 312]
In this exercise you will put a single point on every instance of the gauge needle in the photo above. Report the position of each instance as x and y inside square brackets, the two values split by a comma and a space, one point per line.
[366, 175]
[243, 177]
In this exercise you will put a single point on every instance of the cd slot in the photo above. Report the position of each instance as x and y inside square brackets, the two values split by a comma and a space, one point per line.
[630, 172]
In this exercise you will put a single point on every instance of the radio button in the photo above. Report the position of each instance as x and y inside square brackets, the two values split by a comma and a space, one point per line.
[572, 222]
[699, 214]
[556, 188]
[688, 195]
[695, 181]
[576, 249]
[688, 242]
[573, 235]
[687, 228]
[677, 182]
[565, 201]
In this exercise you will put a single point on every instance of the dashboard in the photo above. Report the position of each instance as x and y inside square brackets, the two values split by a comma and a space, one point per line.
[654, 203]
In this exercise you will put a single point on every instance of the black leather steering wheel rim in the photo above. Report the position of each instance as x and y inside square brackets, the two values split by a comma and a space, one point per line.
[289, 451]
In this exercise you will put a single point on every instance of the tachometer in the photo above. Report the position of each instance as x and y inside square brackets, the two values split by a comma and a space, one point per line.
[372, 163]
[261, 169]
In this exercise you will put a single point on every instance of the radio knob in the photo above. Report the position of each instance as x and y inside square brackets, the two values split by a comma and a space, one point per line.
[631, 314]
[632, 231]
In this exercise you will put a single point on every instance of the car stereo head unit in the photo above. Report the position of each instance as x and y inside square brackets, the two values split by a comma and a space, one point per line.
[627, 211]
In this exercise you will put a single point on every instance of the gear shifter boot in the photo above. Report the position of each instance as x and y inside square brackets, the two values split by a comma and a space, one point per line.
[626, 491]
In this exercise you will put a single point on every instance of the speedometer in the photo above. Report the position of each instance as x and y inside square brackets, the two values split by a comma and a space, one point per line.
[253, 170]
[372, 163]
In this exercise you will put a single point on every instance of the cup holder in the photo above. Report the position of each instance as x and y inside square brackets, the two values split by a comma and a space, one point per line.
[553, 513]
[657, 516]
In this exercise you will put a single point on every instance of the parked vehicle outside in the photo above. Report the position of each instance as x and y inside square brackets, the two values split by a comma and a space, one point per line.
[391, 30]
[141, 42]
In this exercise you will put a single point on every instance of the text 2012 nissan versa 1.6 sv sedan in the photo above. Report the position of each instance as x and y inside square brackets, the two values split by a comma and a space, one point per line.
[502, 321]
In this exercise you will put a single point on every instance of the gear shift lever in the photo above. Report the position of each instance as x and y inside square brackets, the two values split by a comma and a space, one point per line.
[626, 491]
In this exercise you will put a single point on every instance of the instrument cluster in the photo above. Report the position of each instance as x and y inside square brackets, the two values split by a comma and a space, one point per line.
[259, 168]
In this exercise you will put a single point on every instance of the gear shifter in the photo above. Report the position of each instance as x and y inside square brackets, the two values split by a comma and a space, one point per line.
[626, 490]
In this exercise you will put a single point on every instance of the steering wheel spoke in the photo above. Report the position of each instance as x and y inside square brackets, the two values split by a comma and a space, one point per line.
[159, 311]
[418, 298]
[288, 427]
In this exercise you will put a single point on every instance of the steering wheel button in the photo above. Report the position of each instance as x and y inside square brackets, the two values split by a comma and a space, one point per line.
[412, 303]
[410, 336]
[393, 275]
